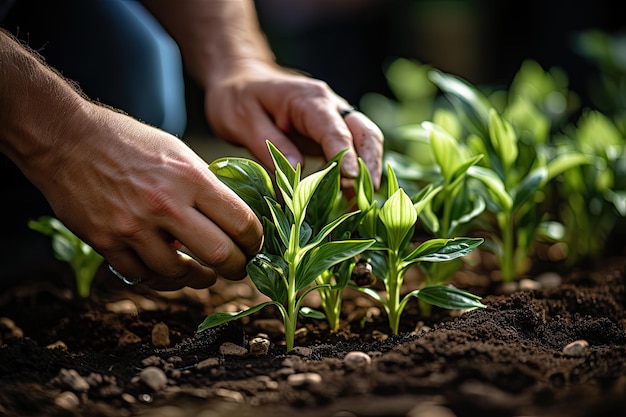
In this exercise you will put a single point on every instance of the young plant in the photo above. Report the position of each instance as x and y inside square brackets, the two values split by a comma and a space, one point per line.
[393, 227]
[294, 254]
[513, 172]
[69, 248]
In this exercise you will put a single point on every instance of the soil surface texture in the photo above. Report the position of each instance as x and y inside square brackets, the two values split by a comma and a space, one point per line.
[553, 345]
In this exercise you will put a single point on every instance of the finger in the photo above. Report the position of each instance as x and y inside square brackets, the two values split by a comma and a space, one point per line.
[368, 141]
[160, 267]
[225, 240]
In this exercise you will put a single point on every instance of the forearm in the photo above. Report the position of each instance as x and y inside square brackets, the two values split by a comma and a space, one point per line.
[35, 104]
[216, 37]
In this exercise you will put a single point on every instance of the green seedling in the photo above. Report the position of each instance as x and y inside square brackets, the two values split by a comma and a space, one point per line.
[69, 248]
[393, 226]
[294, 253]
[513, 174]
[593, 196]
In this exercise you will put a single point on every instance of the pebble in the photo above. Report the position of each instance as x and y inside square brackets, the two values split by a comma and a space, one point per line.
[529, 284]
[302, 351]
[128, 338]
[357, 360]
[160, 335]
[430, 410]
[153, 377]
[208, 363]
[576, 349]
[549, 279]
[59, 344]
[70, 378]
[230, 395]
[232, 349]
[123, 307]
[259, 346]
[67, 400]
[306, 378]
[151, 361]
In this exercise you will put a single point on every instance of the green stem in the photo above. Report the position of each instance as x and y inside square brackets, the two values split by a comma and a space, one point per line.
[506, 258]
[393, 284]
[291, 316]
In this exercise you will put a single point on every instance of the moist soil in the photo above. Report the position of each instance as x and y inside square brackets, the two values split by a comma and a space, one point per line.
[550, 345]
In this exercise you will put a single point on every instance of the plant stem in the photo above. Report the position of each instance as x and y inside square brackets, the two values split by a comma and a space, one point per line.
[393, 283]
[291, 316]
[506, 257]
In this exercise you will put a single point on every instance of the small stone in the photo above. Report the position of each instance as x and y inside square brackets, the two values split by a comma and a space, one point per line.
[529, 284]
[549, 279]
[153, 377]
[259, 346]
[302, 351]
[151, 361]
[232, 349]
[576, 349]
[122, 307]
[428, 409]
[230, 395]
[356, 360]
[160, 335]
[306, 378]
[128, 338]
[208, 363]
[70, 378]
[67, 400]
[59, 344]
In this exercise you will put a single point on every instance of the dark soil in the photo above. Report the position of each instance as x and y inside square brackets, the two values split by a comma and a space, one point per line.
[505, 360]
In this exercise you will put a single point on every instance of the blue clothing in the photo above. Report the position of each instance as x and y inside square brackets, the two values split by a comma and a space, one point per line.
[115, 50]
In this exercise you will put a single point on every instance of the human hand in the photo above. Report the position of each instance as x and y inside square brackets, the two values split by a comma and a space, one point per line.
[136, 194]
[298, 114]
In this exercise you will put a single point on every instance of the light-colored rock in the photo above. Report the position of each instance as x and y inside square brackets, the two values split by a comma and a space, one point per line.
[160, 335]
[154, 378]
[357, 360]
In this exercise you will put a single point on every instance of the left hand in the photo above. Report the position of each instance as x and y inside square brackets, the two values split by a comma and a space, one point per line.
[298, 114]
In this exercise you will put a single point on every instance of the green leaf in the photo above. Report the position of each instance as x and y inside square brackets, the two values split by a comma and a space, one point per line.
[566, 161]
[267, 272]
[440, 250]
[326, 255]
[283, 226]
[308, 312]
[398, 216]
[472, 106]
[503, 139]
[282, 165]
[215, 319]
[495, 187]
[526, 190]
[304, 191]
[425, 196]
[248, 179]
[329, 228]
[327, 196]
[392, 181]
[449, 297]
[445, 149]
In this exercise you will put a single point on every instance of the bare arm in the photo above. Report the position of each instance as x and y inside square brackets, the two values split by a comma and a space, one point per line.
[249, 98]
[129, 190]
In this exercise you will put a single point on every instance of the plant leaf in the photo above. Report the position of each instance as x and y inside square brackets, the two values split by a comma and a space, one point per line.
[248, 179]
[398, 216]
[326, 255]
[267, 272]
[448, 297]
[439, 250]
[215, 319]
[495, 187]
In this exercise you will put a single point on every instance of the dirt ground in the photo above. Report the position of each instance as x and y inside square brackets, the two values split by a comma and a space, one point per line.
[554, 345]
